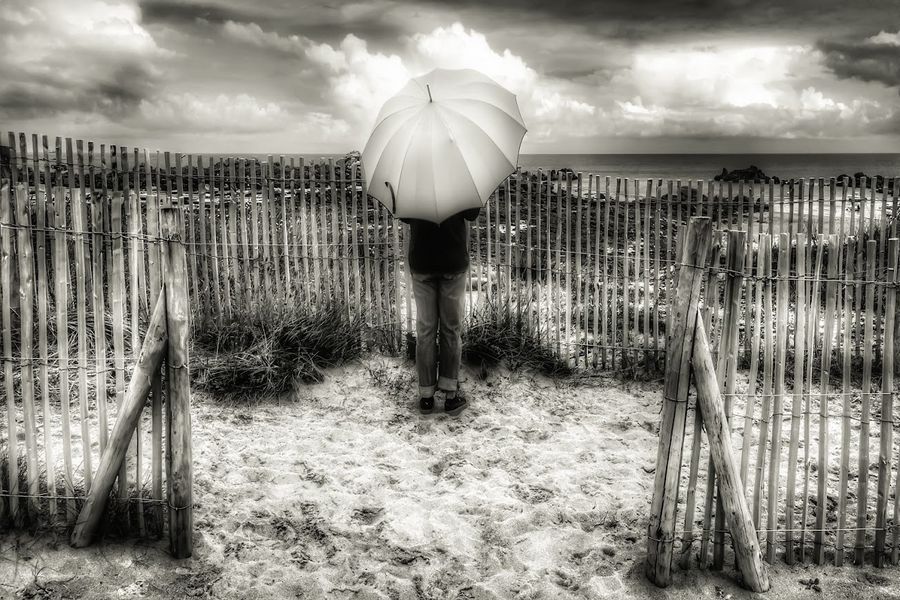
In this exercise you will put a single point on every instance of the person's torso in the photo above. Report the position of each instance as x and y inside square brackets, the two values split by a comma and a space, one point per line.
[439, 249]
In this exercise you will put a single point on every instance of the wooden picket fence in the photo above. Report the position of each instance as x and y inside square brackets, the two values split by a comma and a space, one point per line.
[588, 263]
[818, 476]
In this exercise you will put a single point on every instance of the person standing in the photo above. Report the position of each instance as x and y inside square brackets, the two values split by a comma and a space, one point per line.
[439, 263]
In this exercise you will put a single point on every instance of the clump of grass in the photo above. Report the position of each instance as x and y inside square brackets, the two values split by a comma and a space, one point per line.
[266, 351]
[495, 335]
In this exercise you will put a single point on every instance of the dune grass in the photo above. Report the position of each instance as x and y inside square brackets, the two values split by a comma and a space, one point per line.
[265, 351]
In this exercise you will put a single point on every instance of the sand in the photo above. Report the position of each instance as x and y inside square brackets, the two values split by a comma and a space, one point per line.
[541, 489]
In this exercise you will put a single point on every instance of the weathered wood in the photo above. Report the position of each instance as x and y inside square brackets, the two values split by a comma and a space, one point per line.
[797, 403]
[822, 467]
[42, 257]
[234, 246]
[178, 407]
[117, 300]
[246, 278]
[762, 258]
[728, 359]
[887, 401]
[61, 295]
[25, 255]
[154, 256]
[226, 248]
[812, 330]
[12, 444]
[135, 243]
[626, 294]
[781, 339]
[768, 367]
[846, 415]
[661, 529]
[152, 352]
[746, 546]
[887, 380]
[614, 299]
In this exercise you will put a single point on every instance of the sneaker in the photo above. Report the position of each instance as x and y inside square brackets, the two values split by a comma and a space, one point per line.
[426, 405]
[454, 406]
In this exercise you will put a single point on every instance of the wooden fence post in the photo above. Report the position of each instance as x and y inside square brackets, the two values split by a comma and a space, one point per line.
[178, 403]
[145, 370]
[709, 400]
[661, 529]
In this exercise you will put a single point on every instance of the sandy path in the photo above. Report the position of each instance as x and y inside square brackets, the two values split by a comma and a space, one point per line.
[539, 490]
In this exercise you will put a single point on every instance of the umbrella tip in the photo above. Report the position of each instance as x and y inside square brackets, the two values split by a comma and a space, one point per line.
[428, 87]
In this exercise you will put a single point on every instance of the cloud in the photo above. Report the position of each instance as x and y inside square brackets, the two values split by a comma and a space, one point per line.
[239, 113]
[884, 37]
[876, 58]
[361, 80]
[252, 33]
[89, 56]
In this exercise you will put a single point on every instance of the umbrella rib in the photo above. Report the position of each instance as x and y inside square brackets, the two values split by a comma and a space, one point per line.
[461, 156]
[383, 153]
[494, 106]
[388, 116]
[462, 116]
[409, 145]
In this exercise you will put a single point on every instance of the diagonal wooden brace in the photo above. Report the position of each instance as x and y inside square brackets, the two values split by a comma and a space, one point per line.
[152, 353]
[737, 512]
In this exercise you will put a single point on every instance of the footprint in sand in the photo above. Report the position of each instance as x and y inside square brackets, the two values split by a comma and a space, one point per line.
[533, 494]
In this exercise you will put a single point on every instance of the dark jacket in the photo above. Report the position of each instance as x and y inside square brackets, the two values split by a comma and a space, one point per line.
[440, 249]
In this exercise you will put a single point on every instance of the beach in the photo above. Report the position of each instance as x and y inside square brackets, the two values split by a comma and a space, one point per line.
[343, 490]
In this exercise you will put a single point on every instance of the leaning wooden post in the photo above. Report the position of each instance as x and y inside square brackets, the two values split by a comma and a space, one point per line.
[178, 402]
[683, 310]
[737, 512]
[148, 364]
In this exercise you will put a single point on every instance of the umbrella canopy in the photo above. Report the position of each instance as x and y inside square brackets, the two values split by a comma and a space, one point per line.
[443, 144]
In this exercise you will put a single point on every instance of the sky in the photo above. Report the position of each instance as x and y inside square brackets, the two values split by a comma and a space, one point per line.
[619, 76]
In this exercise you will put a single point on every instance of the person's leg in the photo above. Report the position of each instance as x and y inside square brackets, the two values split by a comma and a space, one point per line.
[451, 303]
[425, 289]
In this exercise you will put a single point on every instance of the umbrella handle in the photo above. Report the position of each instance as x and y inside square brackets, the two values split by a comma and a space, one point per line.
[393, 198]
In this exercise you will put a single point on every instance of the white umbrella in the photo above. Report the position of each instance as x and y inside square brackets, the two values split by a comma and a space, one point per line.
[443, 144]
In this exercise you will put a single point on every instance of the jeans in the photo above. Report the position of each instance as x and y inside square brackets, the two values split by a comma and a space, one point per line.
[440, 302]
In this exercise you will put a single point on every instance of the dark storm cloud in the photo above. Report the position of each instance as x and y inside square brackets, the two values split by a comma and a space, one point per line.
[630, 19]
[865, 60]
[114, 93]
[179, 12]
[316, 20]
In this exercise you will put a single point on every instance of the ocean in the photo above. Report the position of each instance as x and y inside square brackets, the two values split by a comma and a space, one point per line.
[665, 166]
[690, 166]
[707, 166]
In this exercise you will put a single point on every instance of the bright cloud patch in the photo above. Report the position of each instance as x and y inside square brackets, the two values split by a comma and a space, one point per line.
[241, 112]
[362, 80]
[884, 37]
[86, 56]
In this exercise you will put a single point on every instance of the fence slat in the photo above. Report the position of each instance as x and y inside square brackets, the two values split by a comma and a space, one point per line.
[812, 330]
[845, 412]
[12, 445]
[797, 403]
[781, 339]
[824, 433]
[117, 305]
[42, 199]
[887, 397]
[25, 254]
